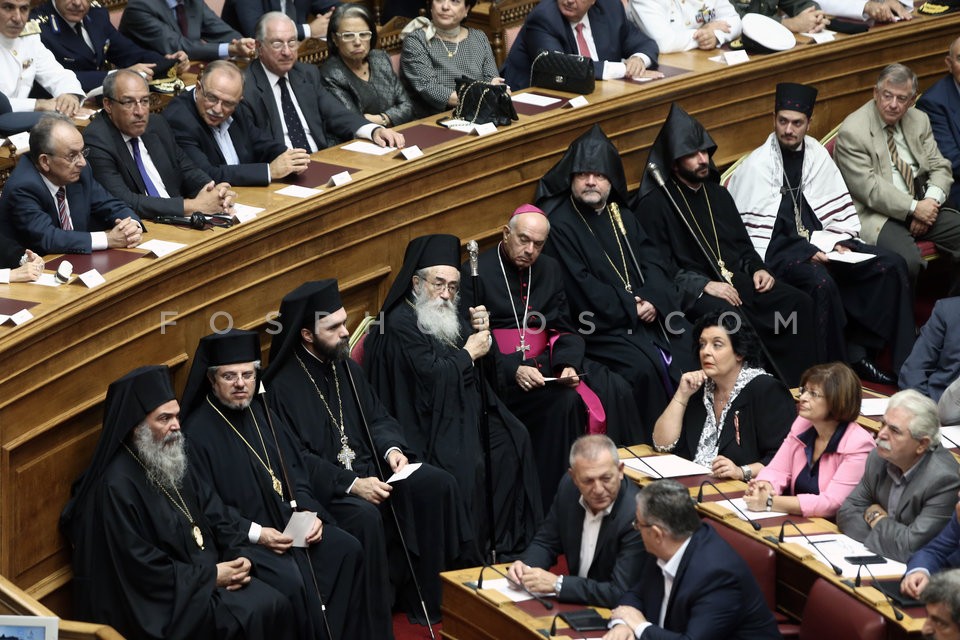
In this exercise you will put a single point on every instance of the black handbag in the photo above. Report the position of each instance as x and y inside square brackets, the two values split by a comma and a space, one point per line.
[563, 72]
[481, 102]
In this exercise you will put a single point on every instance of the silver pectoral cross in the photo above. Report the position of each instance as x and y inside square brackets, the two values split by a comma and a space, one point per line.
[522, 347]
[346, 455]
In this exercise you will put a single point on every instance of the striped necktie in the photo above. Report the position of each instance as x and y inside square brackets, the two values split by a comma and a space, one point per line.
[65, 222]
[902, 167]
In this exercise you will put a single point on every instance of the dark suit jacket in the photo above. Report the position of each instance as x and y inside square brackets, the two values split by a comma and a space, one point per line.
[254, 147]
[114, 167]
[545, 29]
[618, 557]
[109, 45]
[243, 15]
[714, 595]
[152, 24]
[10, 251]
[941, 103]
[924, 508]
[943, 552]
[29, 213]
[322, 111]
[934, 361]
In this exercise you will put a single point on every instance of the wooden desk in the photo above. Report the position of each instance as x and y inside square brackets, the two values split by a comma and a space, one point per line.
[57, 366]
[488, 615]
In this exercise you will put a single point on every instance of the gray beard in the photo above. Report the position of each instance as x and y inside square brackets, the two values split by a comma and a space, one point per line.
[166, 461]
[438, 317]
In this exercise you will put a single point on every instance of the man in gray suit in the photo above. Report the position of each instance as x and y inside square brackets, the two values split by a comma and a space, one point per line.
[898, 178]
[591, 522]
[909, 486]
[168, 26]
[287, 98]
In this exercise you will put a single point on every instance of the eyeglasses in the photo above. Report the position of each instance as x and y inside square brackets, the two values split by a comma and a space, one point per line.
[280, 45]
[810, 392]
[231, 376]
[211, 100]
[127, 104]
[73, 157]
[440, 285]
[353, 36]
[640, 526]
[888, 96]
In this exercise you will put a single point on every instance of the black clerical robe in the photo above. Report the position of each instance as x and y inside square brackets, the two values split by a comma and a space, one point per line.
[222, 458]
[716, 221]
[868, 303]
[597, 269]
[432, 390]
[434, 521]
[555, 415]
[138, 567]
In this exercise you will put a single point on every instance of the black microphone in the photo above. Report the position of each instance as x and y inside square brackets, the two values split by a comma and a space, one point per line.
[546, 603]
[644, 462]
[753, 523]
[553, 625]
[856, 583]
[793, 524]
[195, 221]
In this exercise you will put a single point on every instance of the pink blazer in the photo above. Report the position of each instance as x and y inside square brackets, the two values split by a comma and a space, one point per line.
[839, 472]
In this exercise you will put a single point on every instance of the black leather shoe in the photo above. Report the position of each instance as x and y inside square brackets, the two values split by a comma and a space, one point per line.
[869, 371]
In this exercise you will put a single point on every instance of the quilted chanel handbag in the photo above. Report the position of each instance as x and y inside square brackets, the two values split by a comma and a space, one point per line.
[563, 72]
[481, 102]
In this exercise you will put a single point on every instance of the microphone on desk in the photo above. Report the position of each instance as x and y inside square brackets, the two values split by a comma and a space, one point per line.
[644, 463]
[856, 584]
[753, 523]
[546, 603]
[813, 544]
[196, 221]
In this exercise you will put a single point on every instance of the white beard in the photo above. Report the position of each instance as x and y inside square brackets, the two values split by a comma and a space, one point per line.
[438, 317]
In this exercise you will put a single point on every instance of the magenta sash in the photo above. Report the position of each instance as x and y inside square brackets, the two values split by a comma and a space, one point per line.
[509, 339]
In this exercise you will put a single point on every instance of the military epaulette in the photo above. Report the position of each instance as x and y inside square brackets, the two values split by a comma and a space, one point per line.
[932, 9]
[32, 27]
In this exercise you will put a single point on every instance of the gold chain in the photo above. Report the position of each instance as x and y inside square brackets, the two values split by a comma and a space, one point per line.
[266, 463]
[181, 506]
[336, 380]
[728, 276]
[625, 276]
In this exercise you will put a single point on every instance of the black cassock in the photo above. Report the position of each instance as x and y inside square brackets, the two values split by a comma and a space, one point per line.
[790, 345]
[138, 568]
[431, 389]
[220, 457]
[868, 302]
[554, 414]
[428, 505]
[605, 313]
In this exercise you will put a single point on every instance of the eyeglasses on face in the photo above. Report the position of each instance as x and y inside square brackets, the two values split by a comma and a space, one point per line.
[73, 157]
[353, 36]
[280, 45]
[127, 104]
[810, 392]
[211, 100]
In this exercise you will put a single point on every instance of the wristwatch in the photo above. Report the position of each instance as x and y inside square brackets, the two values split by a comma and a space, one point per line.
[872, 517]
[769, 503]
[747, 472]
[558, 585]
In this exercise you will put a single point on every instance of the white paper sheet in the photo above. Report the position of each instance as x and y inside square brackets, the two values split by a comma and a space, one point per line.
[950, 436]
[246, 209]
[299, 526]
[837, 546]
[668, 466]
[873, 406]
[502, 585]
[362, 146]
[742, 505]
[297, 191]
[47, 280]
[851, 257]
[535, 99]
[404, 473]
[160, 248]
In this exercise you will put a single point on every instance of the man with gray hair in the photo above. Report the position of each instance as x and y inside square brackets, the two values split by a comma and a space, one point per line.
[909, 485]
[942, 597]
[698, 587]
[591, 523]
[897, 176]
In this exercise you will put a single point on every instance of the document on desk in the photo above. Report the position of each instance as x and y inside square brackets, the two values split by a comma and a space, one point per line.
[873, 406]
[668, 466]
[950, 436]
[535, 99]
[160, 248]
[739, 503]
[362, 146]
[850, 257]
[298, 191]
[502, 585]
[837, 546]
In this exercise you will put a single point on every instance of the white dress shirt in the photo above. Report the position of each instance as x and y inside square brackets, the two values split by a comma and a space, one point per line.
[98, 239]
[591, 531]
[612, 69]
[147, 164]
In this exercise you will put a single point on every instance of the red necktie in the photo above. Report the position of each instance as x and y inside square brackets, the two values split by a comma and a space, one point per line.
[182, 18]
[65, 223]
[581, 41]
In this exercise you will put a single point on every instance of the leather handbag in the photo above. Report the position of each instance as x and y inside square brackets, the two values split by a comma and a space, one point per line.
[481, 102]
[563, 72]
